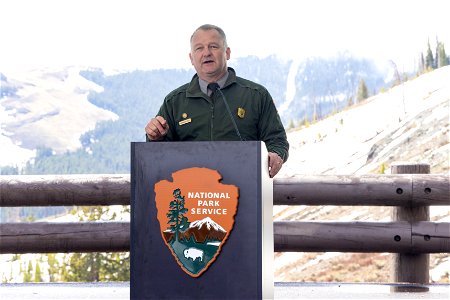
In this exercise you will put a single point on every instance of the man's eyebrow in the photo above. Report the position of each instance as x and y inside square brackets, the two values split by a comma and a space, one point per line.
[201, 44]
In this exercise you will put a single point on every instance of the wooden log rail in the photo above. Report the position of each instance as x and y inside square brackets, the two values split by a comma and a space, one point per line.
[411, 237]
[64, 190]
[43, 237]
[388, 190]
[367, 190]
[289, 236]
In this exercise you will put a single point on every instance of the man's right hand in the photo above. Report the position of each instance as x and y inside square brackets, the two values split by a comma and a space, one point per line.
[157, 128]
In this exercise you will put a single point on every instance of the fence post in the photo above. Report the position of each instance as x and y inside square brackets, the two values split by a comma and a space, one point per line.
[409, 267]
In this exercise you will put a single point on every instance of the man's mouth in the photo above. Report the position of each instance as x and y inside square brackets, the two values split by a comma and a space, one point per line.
[207, 62]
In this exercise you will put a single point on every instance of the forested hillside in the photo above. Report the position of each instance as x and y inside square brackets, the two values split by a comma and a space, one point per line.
[135, 97]
[321, 86]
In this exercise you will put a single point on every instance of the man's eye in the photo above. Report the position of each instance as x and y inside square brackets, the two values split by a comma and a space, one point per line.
[214, 47]
[199, 49]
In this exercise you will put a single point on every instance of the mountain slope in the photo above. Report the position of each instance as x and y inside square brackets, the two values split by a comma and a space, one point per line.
[49, 109]
[411, 123]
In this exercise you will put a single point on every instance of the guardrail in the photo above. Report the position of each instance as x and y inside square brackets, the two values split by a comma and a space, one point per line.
[410, 234]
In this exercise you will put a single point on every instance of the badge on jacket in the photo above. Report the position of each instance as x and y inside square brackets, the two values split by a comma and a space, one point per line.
[241, 112]
[185, 121]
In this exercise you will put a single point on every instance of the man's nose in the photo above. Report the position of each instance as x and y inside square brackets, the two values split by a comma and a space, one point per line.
[207, 51]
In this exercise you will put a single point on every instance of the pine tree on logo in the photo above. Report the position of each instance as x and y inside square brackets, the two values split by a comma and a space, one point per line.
[177, 220]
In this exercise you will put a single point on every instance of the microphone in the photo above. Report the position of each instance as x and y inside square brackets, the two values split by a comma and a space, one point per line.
[214, 86]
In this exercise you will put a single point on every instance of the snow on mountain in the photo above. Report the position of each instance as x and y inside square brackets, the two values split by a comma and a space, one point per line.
[47, 109]
[204, 230]
[409, 122]
[290, 88]
[208, 222]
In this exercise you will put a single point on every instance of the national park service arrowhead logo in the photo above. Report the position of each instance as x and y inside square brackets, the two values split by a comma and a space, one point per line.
[196, 215]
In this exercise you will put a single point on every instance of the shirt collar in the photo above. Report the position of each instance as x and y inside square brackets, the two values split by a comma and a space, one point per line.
[204, 84]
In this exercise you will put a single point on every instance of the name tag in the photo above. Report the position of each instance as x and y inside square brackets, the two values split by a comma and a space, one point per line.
[185, 122]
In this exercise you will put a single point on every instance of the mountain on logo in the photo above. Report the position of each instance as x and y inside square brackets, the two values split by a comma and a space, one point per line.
[204, 230]
[201, 230]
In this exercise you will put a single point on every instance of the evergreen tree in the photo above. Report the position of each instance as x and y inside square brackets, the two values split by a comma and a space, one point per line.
[291, 124]
[421, 64]
[27, 277]
[306, 122]
[20, 269]
[93, 267]
[9, 170]
[53, 267]
[429, 60]
[349, 101]
[84, 267]
[362, 93]
[37, 273]
[436, 59]
[176, 217]
[443, 59]
[96, 266]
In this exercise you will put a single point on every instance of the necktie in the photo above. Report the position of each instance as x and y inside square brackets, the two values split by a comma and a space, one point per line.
[213, 86]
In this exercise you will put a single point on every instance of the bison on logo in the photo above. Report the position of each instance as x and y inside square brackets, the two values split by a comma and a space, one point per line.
[196, 215]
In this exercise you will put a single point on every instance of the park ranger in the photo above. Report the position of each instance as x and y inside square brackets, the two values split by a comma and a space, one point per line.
[217, 105]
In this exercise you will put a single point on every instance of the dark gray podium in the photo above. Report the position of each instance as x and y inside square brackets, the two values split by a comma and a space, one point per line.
[201, 221]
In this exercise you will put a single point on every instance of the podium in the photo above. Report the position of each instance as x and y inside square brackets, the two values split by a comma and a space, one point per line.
[201, 221]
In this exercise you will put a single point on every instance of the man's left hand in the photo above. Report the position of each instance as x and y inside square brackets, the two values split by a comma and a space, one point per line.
[275, 164]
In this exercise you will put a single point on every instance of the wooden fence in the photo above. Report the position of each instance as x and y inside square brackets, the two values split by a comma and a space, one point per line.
[410, 235]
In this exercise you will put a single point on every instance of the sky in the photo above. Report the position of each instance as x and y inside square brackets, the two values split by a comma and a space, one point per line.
[143, 34]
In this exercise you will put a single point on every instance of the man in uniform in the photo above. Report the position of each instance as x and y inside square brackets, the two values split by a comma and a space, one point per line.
[217, 105]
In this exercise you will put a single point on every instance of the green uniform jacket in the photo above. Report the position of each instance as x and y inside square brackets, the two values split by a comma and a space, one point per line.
[194, 116]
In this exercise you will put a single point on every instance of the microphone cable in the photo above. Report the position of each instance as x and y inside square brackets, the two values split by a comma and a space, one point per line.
[214, 86]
